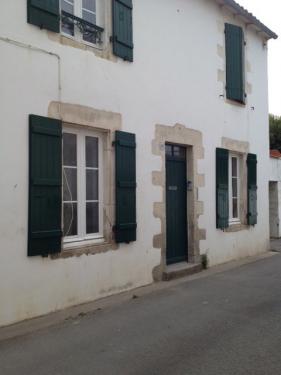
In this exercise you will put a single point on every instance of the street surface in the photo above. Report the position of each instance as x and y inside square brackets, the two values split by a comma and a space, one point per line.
[228, 323]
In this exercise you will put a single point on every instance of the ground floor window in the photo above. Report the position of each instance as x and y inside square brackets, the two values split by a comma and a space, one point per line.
[234, 188]
[82, 185]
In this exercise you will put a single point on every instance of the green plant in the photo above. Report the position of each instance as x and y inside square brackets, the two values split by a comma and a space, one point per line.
[204, 261]
[275, 132]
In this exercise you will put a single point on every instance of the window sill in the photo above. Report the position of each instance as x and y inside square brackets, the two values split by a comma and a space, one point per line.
[76, 244]
[236, 227]
[77, 249]
[76, 42]
[103, 51]
[236, 102]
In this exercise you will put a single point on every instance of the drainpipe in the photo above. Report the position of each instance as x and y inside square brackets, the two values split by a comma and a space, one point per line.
[40, 50]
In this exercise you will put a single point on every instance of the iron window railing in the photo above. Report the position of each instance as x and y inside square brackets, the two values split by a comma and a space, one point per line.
[88, 29]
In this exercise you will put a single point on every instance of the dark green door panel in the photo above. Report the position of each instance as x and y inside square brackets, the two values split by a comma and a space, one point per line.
[44, 13]
[234, 47]
[125, 152]
[176, 209]
[45, 186]
[222, 189]
[123, 29]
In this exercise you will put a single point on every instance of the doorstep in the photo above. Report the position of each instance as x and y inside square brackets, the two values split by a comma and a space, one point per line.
[175, 271]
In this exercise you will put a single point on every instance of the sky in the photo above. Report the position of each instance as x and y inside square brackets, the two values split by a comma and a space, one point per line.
[268, 12]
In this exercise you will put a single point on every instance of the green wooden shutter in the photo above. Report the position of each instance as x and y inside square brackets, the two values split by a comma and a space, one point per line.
[222, 193]
[125, 165]
[44, 13]
[252, 189]
[45, 186]
[234, 47]
[123, 29]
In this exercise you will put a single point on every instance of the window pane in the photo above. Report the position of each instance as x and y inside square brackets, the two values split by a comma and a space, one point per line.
[90, 37]
[67, 5]
[234, 167]
[89, 4]
[179, 152]
[235, 208]
[176, 151]
[92, 185]
[92, 152]
[67, 24]
[169, 150]
[70, 219]
[92, 217]
[235, 187]
[69, 149]
[90, 17]
[69, 184]
[68, 27]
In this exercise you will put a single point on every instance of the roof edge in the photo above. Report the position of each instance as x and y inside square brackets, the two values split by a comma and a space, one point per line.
[249, 16]
[275, 154]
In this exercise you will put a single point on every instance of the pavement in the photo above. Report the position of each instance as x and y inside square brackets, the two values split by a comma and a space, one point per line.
[226, 323]
[275, 245]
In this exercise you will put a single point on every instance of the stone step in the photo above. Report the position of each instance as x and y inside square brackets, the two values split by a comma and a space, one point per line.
[175, 271]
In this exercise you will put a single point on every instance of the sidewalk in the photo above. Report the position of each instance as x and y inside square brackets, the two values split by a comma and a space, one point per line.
[223, 322]
[275, 245]
[58, 317]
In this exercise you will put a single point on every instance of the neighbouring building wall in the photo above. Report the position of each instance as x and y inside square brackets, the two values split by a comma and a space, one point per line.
[275, 197]
[177, 77]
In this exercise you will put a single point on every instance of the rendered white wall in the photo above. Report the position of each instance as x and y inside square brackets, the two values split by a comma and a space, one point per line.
[275, 197]
[275, 169]
[172, 80]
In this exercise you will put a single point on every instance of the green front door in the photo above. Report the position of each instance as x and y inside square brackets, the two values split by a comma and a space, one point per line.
[176, 204]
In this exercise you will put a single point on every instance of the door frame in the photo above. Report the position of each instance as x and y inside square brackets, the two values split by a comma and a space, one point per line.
[193, 141]
[192, 249]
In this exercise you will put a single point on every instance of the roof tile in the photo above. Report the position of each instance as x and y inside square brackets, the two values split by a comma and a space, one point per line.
[249, 16]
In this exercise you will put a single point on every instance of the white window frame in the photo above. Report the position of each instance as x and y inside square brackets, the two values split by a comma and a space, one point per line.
[82, 236]
[234, 220]
[78, 11]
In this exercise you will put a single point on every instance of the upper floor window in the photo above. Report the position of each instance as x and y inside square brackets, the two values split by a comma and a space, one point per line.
[80, 19]
[235, 66]
[85, 20]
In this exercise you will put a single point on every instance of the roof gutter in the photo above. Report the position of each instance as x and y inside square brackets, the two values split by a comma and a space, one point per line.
[239, 10]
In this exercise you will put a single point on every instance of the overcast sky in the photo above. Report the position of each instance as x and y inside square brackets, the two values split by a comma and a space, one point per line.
[269, 12]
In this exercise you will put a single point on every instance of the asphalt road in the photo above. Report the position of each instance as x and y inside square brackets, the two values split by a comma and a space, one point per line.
[228, 323]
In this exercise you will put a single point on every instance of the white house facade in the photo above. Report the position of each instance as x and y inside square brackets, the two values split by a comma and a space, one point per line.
[134, 136]
[275, 194]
